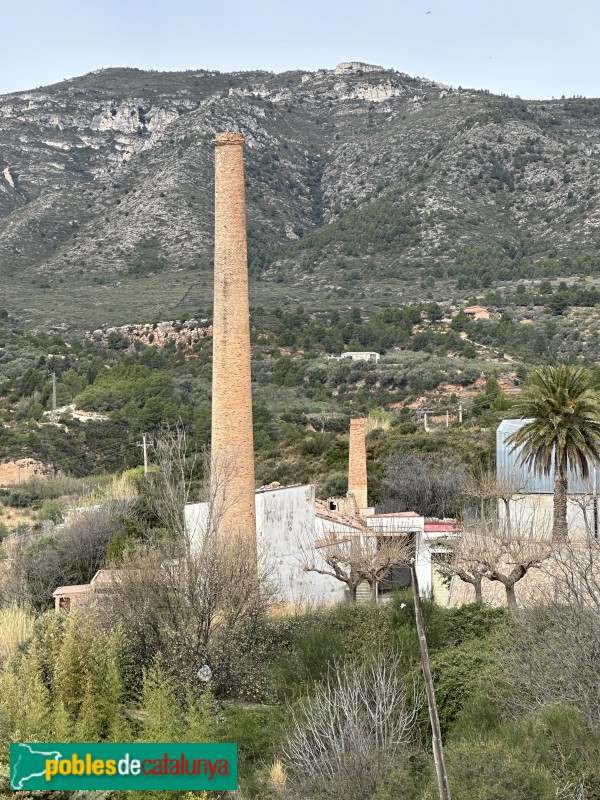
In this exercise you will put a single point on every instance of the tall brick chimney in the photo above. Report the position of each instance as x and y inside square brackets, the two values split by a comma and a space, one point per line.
[232, 448]
[357, 466]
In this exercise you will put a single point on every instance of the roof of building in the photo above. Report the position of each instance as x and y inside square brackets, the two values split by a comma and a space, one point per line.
[512, 425]
[102, 576]
[440, 527]
[474, 309]
[276, 486]
[78, 588]
[107, 576]
[331, 541]
[323, 512]
[398, 514]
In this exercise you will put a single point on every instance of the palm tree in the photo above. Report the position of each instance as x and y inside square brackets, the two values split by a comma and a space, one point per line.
[564, 431]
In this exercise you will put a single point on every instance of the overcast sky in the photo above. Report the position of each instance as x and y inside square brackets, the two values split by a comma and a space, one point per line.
[531, 48]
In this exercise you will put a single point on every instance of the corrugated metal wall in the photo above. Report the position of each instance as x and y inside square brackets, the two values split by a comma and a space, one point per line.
[526, 482]
[440, 587]
[364, 593]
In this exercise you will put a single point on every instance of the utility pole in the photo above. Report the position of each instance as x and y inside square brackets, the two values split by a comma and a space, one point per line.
[447, 418]
[425, 425]
[53, 417]
[460, 413]
[144, 446]
[436, 740]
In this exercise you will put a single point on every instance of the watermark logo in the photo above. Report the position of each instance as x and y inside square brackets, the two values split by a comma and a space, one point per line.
[86, 766]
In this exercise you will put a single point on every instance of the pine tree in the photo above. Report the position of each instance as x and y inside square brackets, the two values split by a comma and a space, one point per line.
[71, 670]
[63, 729]
[115, 723]
[49, 633]
[36, 717]
[101, 705]
[161, 707]
[89, 727]
[10, 708]
[198, 717]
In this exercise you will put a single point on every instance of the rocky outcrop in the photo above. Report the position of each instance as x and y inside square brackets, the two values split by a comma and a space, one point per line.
[182, 335]
[12, 473]
[354, 67]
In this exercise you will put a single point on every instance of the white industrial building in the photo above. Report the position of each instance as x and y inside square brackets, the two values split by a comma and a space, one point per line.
[289, 519]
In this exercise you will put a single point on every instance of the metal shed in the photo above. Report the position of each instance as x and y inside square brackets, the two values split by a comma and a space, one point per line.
[508, 468]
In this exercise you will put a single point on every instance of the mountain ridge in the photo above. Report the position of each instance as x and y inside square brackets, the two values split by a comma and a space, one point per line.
[361, 182]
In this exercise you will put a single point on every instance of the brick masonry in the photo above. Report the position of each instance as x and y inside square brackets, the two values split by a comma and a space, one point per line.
[357, 466]
[232, 461]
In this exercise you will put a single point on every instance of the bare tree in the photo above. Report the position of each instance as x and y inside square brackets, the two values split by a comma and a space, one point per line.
[355, 556]
[504, 536]
[489, 494]
[184, 476]
[552, 652]
[195, 595]
[576, 565]
[430, 485]
[178, 479]
[461, 563]
[191, 607]
[347, 735]
[39, 563]
[586, 501]
[496, 550]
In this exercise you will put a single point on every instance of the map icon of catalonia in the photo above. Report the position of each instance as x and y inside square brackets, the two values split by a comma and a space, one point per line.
[35, 766]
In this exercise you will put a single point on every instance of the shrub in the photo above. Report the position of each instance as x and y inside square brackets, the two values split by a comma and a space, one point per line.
[404, 626]
[52, 510]
[313, 650]
[492, 770]
[363, 629]
[472, 621]
[16, 626]
[459, 673]
[345, 737]
[18, 499]
[258, 733]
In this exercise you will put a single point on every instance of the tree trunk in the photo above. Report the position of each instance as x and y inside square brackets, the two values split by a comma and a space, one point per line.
[511, 598]
[508, 522]
[478, 591]
[374, 591]
[438, 750]
[559, 521]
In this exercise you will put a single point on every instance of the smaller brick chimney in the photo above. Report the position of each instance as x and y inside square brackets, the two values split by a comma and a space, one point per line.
[357, 466]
